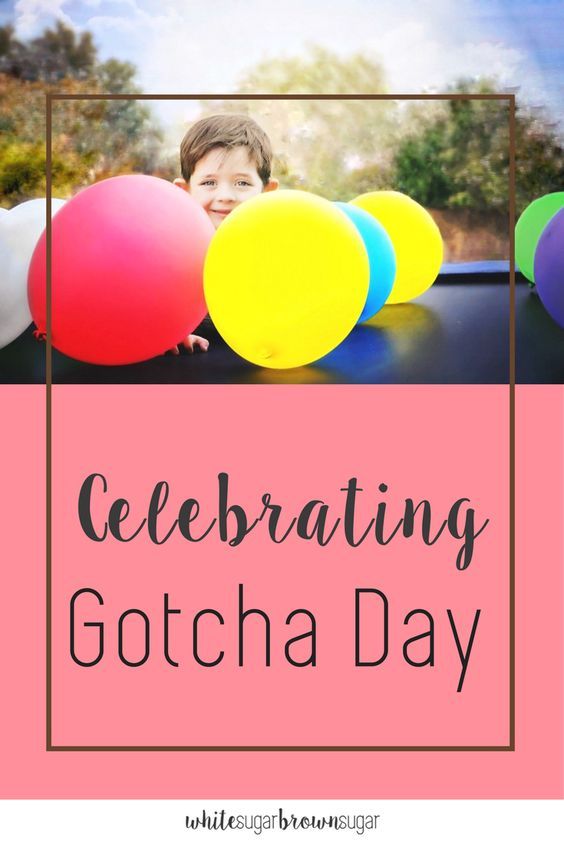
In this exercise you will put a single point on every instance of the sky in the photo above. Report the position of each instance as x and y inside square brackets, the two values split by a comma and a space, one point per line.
[185, 46]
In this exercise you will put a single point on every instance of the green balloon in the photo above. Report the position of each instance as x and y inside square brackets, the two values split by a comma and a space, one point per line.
[530, 227]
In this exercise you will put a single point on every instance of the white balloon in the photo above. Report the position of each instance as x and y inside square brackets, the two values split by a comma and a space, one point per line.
[20, 229]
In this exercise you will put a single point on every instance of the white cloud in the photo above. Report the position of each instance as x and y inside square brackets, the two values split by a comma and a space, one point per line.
[30, 15]
[190, 47]
[99, 23]
[419, 58]
[97, 3]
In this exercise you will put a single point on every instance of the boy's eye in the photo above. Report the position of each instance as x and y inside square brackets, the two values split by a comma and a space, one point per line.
[209, 182]
[243, 183]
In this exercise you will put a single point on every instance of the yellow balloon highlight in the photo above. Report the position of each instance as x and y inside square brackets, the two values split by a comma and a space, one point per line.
[286, 278]
[415, 237]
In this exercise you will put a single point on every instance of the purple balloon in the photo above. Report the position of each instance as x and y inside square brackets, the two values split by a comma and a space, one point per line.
[549, 267]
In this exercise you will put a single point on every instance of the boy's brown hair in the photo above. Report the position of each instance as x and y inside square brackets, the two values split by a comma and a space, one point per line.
[228, 131]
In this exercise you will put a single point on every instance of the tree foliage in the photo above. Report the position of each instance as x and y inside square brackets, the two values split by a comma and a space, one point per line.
[448, 155]
[57, 54]
[460, 158]
[91, 139]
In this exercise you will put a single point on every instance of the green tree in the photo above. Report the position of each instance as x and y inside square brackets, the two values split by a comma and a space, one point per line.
[57, 54]
[92, 139]
[460, 157]
[113, 136]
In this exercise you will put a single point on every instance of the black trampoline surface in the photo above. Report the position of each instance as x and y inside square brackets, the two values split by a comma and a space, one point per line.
[456, 333]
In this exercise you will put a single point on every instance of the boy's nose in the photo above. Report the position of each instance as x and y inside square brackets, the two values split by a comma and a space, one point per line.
[225, 193]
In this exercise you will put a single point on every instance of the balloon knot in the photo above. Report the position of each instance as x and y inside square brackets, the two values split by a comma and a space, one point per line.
[39, 335]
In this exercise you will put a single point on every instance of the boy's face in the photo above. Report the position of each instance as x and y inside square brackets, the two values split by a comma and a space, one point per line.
[223, 179]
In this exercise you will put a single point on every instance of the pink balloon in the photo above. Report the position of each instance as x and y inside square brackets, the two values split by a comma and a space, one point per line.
[127, 271]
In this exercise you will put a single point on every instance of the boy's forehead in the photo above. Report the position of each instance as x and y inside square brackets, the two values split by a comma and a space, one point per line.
[221, 158]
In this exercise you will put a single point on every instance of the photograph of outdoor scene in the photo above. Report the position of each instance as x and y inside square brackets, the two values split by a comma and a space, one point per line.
[450, 156]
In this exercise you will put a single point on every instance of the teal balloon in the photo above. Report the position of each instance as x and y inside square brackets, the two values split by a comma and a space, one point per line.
[381, 258]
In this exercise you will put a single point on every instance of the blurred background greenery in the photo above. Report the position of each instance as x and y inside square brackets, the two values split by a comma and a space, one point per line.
[451, 156]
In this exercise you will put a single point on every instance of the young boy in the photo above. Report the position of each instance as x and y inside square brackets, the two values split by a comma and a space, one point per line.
[225, 159]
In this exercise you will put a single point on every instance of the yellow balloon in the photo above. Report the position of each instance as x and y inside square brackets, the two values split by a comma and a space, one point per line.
[286, 278]
[416, 239]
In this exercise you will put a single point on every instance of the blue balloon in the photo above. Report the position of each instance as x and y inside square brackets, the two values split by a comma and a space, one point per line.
[381, 258]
